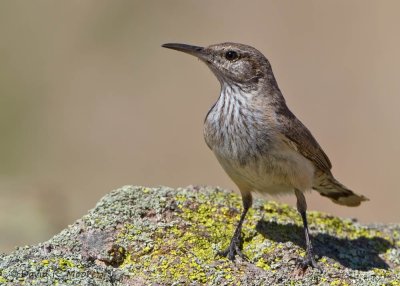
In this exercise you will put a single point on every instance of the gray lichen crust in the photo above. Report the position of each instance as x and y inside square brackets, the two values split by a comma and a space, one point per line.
[164, 236]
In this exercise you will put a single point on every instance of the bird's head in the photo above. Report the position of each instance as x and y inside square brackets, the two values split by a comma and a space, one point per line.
[232, 63]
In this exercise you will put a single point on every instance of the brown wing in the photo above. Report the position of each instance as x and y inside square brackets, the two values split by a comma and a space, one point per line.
[295, 131]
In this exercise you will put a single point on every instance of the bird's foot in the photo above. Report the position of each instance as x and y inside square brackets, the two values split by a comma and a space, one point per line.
[233, 249]
[309, 261]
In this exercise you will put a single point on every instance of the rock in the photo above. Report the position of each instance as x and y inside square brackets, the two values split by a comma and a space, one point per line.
[164, 236]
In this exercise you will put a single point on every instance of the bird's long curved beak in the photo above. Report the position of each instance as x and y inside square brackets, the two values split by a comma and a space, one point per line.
[196, 51]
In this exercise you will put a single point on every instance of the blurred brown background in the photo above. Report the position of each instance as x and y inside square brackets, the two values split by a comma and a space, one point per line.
[89, 101]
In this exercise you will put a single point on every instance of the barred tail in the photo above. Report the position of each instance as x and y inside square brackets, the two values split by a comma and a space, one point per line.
[329, 187]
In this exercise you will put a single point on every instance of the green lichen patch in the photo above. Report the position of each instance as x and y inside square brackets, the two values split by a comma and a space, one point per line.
[185, 249]
[3, 280]
[164, 236]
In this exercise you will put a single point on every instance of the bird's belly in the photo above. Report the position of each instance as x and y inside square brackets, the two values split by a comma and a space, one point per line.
[277, 172]
[256, 157]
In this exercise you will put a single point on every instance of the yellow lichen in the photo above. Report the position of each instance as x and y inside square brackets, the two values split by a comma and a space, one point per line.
[184, 249]
[339, 282]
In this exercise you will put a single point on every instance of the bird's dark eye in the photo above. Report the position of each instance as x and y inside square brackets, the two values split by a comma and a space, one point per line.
[231, 55]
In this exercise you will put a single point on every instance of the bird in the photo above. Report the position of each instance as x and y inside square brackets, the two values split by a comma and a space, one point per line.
[262, 146]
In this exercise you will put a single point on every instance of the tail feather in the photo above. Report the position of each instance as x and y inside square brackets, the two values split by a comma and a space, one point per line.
[329, 187]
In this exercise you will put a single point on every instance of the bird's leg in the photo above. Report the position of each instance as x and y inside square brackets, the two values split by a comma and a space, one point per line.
[302, 208]
[235, 246]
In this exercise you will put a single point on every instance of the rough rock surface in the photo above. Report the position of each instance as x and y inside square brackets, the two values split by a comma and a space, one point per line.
[164, 236]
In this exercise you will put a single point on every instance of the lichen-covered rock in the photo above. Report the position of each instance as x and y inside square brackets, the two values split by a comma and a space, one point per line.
[164, 236]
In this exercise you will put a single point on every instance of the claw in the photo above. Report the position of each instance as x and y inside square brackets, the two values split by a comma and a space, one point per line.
[309, 261]
[232, 250]
[235, 246]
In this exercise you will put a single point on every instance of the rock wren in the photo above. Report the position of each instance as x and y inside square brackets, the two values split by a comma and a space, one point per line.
[258, 141]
